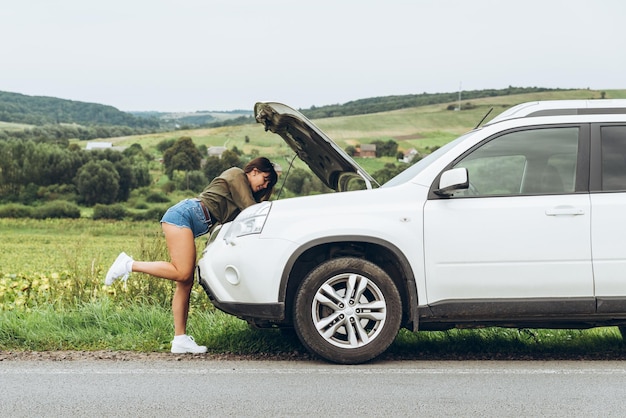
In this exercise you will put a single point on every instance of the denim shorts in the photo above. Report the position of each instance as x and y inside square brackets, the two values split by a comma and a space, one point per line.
[188, 213]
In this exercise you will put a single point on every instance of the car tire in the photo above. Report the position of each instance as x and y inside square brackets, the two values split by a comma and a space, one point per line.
[622, 330]
[347, 310]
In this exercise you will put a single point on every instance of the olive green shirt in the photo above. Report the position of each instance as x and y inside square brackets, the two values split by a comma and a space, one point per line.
[227, 195]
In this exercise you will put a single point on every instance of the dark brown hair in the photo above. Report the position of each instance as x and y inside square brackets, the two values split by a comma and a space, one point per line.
[265, 166]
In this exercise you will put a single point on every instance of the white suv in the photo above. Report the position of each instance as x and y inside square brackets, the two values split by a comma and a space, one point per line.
[518, 223]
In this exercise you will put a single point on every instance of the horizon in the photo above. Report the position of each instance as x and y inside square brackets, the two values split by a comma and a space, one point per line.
[317, 106]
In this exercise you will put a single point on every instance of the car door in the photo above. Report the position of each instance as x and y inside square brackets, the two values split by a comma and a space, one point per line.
[608, 199]
[520, 232]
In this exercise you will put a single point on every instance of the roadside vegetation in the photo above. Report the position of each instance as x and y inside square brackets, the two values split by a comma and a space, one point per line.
[52, 298]
[58, 238]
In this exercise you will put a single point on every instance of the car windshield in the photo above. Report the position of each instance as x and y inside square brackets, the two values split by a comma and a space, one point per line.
[416, 168]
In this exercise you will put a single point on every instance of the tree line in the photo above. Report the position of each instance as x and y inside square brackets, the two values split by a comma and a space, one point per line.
[39, 110]
[387, 103]
[32, 172]
[35, 172]
[61, 134]
[90, 120]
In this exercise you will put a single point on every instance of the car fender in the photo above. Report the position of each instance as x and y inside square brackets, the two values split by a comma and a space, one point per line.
[406, 282]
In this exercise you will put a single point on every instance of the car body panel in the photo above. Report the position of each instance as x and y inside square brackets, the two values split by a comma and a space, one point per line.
[609, 249]
[523, 253]
[244, 280]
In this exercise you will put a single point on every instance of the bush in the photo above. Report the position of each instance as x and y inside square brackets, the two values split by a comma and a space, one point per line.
[153, 214]
[57, 209]
[57, 192]
[117, 212]
[28, 194]
[157, 198]
[195, 181]
[169, 187]
[15, 210]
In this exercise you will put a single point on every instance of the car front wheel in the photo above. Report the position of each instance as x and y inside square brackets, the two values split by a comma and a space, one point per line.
[347, 310]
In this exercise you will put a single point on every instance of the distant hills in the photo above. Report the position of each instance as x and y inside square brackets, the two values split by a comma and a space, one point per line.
[182, 120]
[388, 103]
[42, 110]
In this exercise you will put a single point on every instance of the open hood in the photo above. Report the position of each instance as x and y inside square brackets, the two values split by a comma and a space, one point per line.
[329, 162]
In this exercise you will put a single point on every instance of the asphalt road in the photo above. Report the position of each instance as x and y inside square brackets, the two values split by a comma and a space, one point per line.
[166, 388]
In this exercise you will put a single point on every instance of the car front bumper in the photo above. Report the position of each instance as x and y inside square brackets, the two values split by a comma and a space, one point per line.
[239, 278]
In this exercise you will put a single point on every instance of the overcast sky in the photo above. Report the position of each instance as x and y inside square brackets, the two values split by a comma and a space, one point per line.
[188, 55]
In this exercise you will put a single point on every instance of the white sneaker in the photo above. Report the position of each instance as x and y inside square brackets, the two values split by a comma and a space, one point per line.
[122, 267]
[186, 344]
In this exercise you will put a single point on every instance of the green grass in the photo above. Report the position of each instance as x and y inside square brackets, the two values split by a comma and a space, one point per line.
[10, 126]
[144, 327]
[506, 343]
[52, 245]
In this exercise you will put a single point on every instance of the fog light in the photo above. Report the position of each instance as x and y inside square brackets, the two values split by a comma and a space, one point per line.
[232, 275]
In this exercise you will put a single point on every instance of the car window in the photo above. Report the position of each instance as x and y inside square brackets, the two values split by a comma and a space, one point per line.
[613, 158]
[422, 164]
[537, 161]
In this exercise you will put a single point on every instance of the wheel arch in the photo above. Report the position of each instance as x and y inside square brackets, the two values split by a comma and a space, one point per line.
[380, 252]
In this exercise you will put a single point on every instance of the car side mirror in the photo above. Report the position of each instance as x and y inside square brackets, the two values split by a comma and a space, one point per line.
[454, 179]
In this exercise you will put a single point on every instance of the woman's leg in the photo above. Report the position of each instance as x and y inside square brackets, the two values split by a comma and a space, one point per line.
[182, 249]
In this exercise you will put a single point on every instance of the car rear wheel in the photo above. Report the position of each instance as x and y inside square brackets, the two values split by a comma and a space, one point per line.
[347, 310]
[622, 330]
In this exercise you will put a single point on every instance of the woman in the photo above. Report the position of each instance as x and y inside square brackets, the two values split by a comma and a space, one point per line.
[227, 195]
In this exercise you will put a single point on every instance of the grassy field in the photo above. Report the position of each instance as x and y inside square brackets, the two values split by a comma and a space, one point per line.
[53, 245]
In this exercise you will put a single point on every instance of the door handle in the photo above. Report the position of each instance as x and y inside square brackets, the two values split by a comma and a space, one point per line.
[564, 210]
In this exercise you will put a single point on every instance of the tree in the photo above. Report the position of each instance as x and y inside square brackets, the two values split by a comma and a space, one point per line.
[97, 182]
[388, 172]
[126, 181]
[295, 182]
[195, 181]
[303, 183]
[389, 148]
[230, 158]
[55, 165]
[135, 152]
[183, 155]
[165, 144]
[214, 166]
[141, 175]
[12, 176]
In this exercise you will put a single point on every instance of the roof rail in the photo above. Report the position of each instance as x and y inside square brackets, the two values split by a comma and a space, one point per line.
[562, 107]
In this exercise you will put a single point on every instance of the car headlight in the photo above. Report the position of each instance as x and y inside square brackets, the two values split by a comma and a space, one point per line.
[249, 221]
